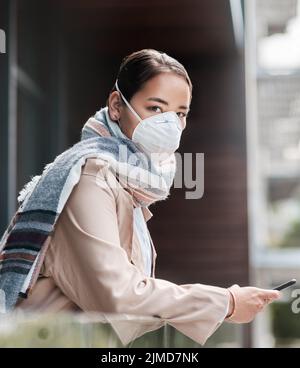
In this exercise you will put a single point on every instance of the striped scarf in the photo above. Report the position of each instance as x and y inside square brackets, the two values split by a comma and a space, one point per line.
[25, 241]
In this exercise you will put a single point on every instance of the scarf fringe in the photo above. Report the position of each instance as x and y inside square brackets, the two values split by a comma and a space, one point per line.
[29, 187]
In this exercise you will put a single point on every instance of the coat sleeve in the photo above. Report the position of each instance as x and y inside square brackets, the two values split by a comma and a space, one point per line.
[93, 270]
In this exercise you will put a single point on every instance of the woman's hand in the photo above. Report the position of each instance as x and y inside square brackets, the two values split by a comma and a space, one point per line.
[246, 302]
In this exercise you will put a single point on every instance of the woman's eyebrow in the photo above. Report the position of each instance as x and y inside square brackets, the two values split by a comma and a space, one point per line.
[157, 99]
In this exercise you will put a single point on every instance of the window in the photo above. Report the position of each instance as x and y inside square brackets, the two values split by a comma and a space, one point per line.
[273, 135]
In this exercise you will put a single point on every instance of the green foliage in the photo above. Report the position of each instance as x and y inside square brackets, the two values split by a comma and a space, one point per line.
[292, 237]
[285, 323]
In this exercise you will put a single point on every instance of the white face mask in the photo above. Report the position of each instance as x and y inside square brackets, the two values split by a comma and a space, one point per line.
[158, 135]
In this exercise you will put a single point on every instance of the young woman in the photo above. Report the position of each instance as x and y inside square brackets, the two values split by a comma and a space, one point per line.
[99, 256]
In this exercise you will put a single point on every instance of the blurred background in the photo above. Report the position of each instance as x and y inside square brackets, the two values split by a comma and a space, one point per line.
[243, 58]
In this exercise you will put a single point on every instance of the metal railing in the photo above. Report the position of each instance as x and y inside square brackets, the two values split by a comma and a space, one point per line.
[101, 331]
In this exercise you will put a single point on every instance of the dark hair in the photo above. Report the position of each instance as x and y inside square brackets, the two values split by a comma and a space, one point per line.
[140, 66]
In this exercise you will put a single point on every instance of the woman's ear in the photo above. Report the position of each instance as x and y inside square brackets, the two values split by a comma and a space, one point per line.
[114, 108]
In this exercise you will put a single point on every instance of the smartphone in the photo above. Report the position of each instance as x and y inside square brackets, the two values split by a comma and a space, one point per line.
[285, 285]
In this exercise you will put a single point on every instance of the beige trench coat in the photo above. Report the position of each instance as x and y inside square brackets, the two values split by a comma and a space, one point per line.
[94, 263]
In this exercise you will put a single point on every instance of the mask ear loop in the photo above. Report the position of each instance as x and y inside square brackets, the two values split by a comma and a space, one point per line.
[127, 103]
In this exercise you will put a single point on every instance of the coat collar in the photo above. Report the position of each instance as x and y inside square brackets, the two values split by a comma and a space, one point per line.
[147, 213]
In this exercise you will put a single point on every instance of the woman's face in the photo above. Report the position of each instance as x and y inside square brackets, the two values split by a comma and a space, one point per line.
[164, 92]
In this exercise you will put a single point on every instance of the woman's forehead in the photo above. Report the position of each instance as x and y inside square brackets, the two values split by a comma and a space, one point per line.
[166, 88]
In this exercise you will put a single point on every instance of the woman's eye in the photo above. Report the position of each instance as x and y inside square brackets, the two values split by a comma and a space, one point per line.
[152, 108]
